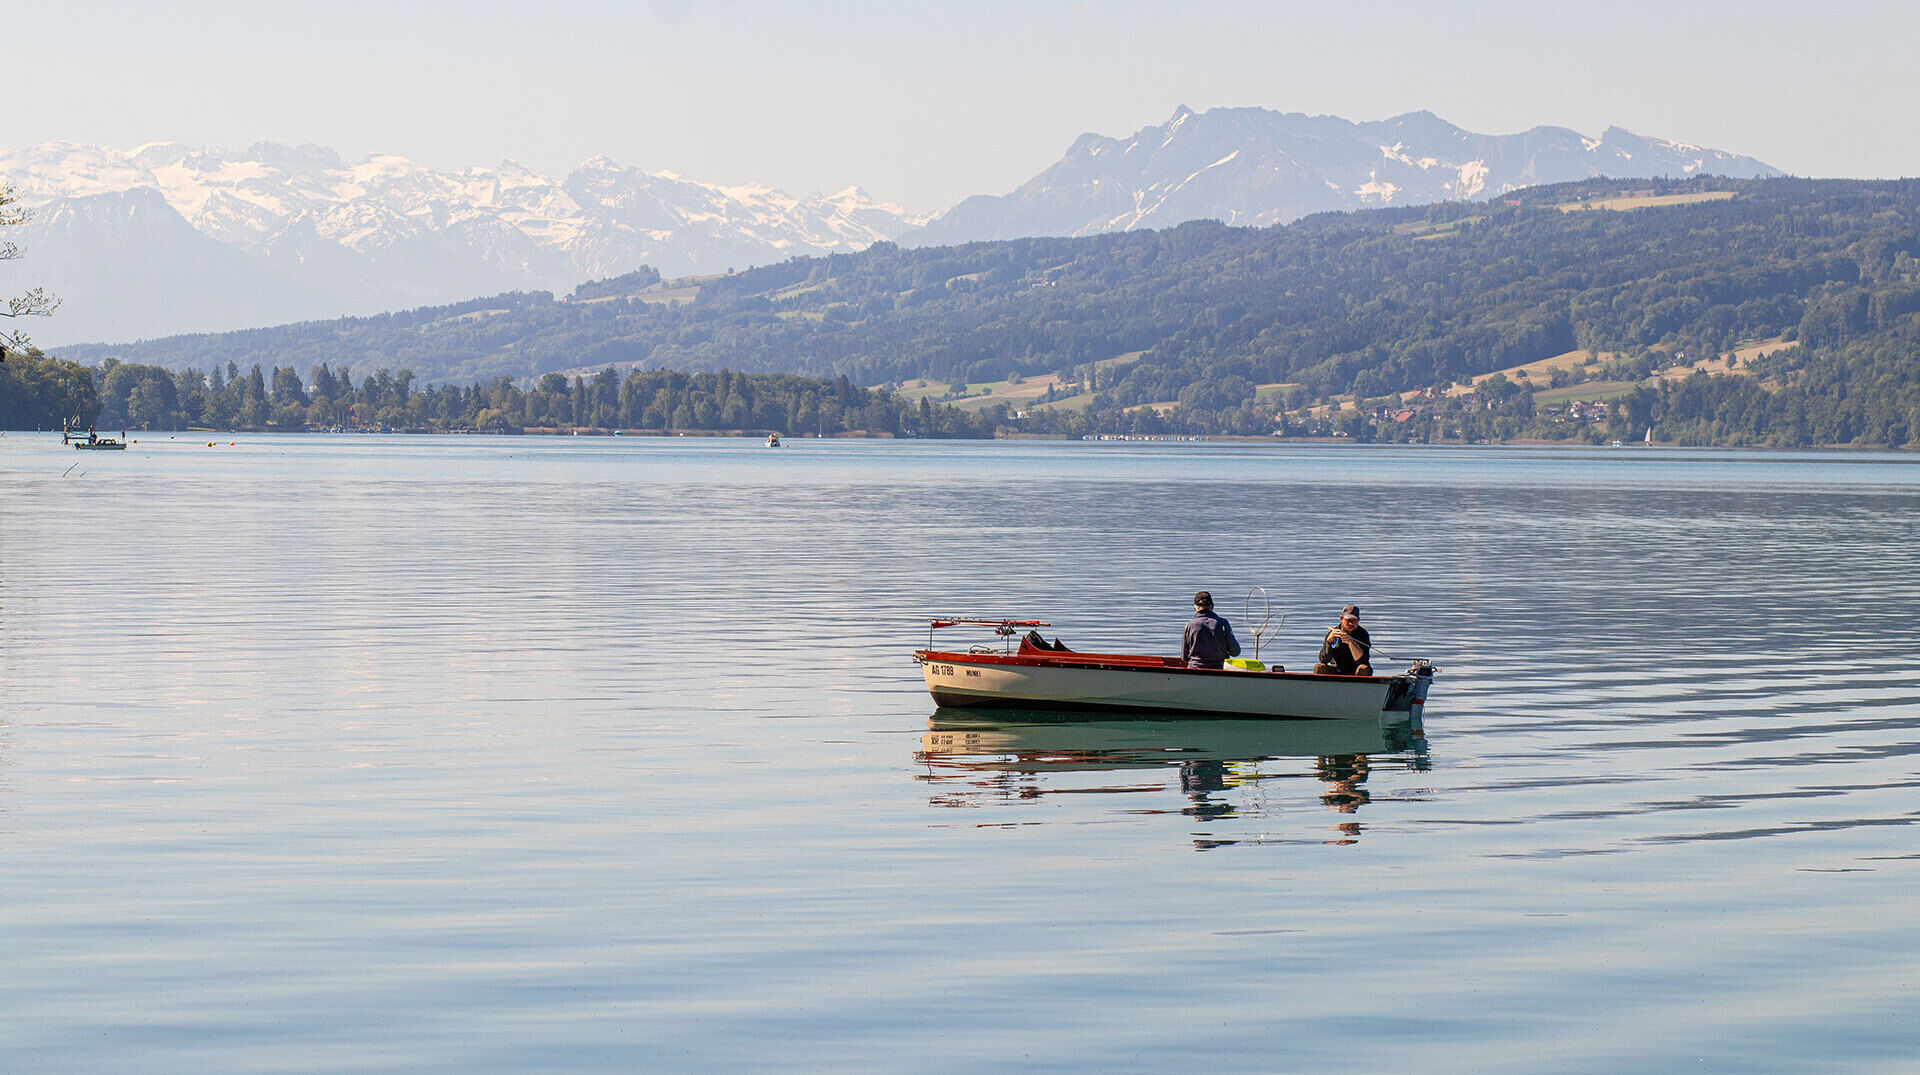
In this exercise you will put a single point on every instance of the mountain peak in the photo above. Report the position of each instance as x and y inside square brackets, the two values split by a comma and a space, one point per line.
[1422, 122]
[304, 157]
[513, 169]
[1258, 167]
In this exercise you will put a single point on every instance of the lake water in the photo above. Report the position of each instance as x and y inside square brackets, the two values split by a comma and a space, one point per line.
[471, 754]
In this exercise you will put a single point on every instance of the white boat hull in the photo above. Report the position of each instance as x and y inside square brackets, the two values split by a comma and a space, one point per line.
[1128, 684]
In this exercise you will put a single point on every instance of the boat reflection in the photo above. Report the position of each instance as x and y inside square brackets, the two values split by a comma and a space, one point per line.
[1223, 768]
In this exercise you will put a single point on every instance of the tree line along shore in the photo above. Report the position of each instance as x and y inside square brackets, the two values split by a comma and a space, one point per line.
[46, 392]
[1786, 398]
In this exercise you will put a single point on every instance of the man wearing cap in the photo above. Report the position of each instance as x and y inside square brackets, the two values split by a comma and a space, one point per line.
[1347, 650]
[1209, 639]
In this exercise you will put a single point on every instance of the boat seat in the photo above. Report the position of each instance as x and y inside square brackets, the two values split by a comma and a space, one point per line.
[1035, 642]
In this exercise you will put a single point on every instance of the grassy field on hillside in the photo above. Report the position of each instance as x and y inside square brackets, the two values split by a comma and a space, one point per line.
[1538, 372]
[1270, 394]
[1647, 201]
[673, 294]
[1591, 391]
[1026, 395]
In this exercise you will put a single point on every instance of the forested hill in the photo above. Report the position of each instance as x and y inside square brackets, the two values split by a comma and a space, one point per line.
[1371, 303]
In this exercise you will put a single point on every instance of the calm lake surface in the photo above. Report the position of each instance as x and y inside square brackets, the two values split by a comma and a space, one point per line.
[471, 754]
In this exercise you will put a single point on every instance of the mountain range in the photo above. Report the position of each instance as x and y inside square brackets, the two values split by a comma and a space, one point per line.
[171, 238]
[1255, 167]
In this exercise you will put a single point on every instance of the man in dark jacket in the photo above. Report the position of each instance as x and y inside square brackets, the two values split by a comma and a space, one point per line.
[1347, 651]
[1209, 639]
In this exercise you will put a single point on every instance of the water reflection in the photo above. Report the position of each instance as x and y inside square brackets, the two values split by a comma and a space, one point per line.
[1224, 770]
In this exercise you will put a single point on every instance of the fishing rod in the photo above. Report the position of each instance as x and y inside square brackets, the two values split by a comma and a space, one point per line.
[1375, 651]
[1268, 627]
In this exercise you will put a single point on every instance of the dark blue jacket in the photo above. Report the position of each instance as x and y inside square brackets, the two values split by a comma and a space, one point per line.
[1209, 641]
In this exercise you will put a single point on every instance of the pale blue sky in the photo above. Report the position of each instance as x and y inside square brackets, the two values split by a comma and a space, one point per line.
[923, 103]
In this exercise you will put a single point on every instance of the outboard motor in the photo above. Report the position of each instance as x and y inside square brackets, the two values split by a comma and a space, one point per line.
[1422, 673]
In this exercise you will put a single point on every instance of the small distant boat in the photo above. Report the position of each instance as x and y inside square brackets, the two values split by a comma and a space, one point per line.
[773, 440]
[1038, 676]
[91, 441]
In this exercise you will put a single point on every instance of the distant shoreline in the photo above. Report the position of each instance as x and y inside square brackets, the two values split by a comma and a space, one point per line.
[1112, 440]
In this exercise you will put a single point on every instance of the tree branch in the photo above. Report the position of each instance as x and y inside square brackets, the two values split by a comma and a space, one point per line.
[35, 303]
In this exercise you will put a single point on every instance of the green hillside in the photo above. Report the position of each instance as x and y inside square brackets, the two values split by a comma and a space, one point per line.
[1348, 318]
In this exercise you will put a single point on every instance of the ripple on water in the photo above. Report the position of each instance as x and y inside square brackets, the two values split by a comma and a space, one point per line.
[334, 753]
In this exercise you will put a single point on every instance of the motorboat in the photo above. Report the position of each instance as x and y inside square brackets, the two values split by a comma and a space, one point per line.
[1035, 674]
[91, 441]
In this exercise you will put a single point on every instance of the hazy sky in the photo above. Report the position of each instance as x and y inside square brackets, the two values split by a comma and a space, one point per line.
[923, 103]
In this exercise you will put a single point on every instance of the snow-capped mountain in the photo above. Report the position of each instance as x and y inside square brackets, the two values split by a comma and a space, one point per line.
[300, 233]
[1253, 166]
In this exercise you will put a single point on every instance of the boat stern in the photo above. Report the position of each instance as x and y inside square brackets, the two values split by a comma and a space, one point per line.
[1419, 682]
